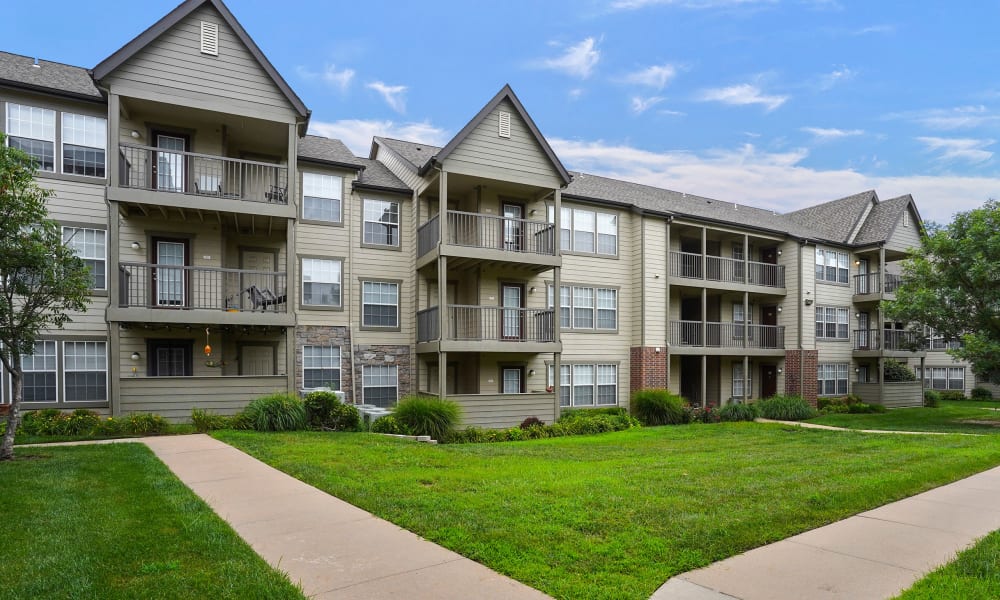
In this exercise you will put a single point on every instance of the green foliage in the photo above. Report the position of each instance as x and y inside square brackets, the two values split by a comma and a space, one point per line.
[658, 407]
[389, 424]
[953, 395]
[738, 412]
[848, 404]
[276, 412]
[860, 408]
[205, 420]
[576, 422]
[531, 422]
[896, 371]
[700, 414]
[981, 393]
[146, 424]
[932, 398]
[785, 408]
[325, 411]
[428, 415]
[835, 409]
[568, 414]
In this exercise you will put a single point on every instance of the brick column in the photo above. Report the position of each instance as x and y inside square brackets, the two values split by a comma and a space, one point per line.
[793, 386]
[648, 368]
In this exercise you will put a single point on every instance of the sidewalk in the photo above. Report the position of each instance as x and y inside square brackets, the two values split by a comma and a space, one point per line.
[874, 555]
[334, 549]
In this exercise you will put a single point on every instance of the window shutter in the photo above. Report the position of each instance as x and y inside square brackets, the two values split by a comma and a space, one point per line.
[209, 38]
[504, 124]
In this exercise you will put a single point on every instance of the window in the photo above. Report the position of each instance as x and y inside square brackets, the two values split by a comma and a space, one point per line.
[566, 228]
[380, 385]
[90, 245]
[33, 131]
[956, 378]
[607, 234]
[169, 358]
[607, 308]
[380, 304]
[40, 373]
[586, 307]
[320, 367]
[321, 197]
[381, 224]
[86, 371]
[941, 378]
[587, 385]
[84, 141]
[831, 379]
[583, 308]
[832, 322]
[321, 282]
[738, 381]
[587, 231]
[831, 266]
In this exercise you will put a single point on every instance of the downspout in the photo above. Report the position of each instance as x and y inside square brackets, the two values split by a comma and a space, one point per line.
[802, 293]
[348, 217]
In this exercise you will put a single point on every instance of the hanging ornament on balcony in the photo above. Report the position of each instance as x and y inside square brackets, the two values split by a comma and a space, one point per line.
[208, 346]
[217, 364]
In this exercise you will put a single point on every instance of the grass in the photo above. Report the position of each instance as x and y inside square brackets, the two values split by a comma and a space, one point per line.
[950, 417]
[616, 515]
[111, 521]
[974, 575]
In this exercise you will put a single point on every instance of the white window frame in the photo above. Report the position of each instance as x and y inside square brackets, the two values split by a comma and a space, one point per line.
[55, 369]
[43, 111]
[393, 227]
[567, 383]
[103, 258]
[339, 280]
[604, 224]
[323, 188]
[835, 372]
[337, 364]
[91, 125]
[393, 371]
[568, 306]
[67, 369]
[841, 318]
[960, 378]
[738, 380]
[367, 282]
[840, 263]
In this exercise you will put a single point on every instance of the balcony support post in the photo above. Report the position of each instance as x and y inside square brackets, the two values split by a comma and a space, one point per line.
[923, 379]
[746, 378]
[704, 254]
[114, 368]
[881, 271]
[746, 259]
[704, 317]
[704, 380]
[557, 304]
[114, 119]
[442, 374]
[746, 319]
[443, 208]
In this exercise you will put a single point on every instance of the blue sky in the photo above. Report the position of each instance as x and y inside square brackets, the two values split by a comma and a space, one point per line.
[776, 103]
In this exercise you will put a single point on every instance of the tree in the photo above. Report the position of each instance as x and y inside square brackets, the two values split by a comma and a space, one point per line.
[952, 285]
[41, 278]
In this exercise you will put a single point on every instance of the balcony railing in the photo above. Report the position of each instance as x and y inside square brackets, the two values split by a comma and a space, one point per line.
[175, 171]
[726, 335]
[488, 323]
[888, 339]
[943, 344]
[143, 285]
[427, 324]
[718, 268]
[491, 232]
[868, 283]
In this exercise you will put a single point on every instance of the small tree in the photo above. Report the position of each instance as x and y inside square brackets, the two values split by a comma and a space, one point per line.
[41, 279]
[896, 371]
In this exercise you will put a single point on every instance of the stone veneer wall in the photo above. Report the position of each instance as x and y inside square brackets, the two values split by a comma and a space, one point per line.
[792, 385]
[385, 355]
[321, 335]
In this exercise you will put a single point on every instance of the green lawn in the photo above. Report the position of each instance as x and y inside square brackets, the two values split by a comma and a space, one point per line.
[952, 417]
[111, 521]
[616, 515]
[974, 575]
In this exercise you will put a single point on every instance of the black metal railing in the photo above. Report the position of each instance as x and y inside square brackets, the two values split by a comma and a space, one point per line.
[488, 323]
[888, 339]
[428, 236]
[144, 285]
[726, 335]
[427, 324]
[870, 283]
[730, 270]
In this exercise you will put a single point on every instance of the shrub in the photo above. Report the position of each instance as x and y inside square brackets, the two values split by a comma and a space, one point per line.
[932, 399]
[700, 414]
[852, 399]
[389, 424]
[952, 395]
[427, 415]
[276, 412]
[859, 408]
[325, 411]
[531, 422]
[576, 422]
[785, 408]
[145, 424]
[738, 412]
[897, 371]
[204, 420]
[834, 409]
[658, 407]
[82, 422]
[981, 393]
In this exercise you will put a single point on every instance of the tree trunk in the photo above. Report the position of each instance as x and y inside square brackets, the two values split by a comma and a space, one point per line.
[14, 417]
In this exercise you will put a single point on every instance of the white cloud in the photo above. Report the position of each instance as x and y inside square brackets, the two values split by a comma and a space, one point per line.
[392, 94]
[654, 76]
[839, 75]
[959, 117]
[826, 134]
[575, 93]
[357, 133]
[772, 180]
[694, 4]
[742, 95]
[578, 60]
[341, 80]
[641, 105]
[959, 149]
[875, 29]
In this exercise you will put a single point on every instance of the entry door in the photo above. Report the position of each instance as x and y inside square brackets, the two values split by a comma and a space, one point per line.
[769, 255]
[512, 380]
[863, 285]
[170, 283]
[864, 337]
[513, 232]
[261, 262]
[768, 381]
[257, 360]
[169, 172]
[512, 320]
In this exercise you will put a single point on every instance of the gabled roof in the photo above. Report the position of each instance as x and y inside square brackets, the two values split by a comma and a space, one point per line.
[45, 76]
[130, 49]
[883, 219]
[377, 176]
[314, 148]
[415, 154]
[837, 219]
[506, 93]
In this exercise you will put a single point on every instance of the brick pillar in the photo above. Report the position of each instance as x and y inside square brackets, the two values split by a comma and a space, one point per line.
[807, 388]
[648, 368]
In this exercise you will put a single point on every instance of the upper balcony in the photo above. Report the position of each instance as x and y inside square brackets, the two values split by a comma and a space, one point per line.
[888, 342]
[487, 329]
[868, 287]
[476, 237]
[697, 337]
[727, 273]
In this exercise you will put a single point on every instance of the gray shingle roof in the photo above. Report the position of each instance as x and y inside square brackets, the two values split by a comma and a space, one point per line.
[378, 175]
[56, 77]
[415, 153]
[882, 219]
[314, 147]
[836, 219]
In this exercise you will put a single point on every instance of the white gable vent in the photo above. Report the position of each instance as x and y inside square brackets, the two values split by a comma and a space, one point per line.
[209, 38]
[504, 124]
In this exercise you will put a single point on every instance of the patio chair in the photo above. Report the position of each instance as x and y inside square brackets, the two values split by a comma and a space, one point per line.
[277, 194]
[263, 298]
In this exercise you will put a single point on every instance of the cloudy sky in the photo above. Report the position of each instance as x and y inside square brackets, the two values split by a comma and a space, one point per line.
[776, 103]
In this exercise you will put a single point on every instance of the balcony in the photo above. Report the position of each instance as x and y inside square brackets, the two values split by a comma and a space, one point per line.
[719, 269]
[760, 339]
[874, 342]
[481, 237]
[868, 286]
[182, 294]
[487, 329]
[199, 182]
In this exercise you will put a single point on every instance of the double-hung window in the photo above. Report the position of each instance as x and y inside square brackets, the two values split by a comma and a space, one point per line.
[584, 307]
[381, 223]
[320, 367]
[587, 231]
[832, 322]
[85, 371]
[33, 131]
[738, 381]
[321, 197]
[84, 144]
[607, 308]
[91, 246]
[40, 373]
[607, 234]
[831, 379]
[321, 282]
[586, 384]
[944, 378]
[380, 385]
[956, 378]
[379, 304]
[831, 266]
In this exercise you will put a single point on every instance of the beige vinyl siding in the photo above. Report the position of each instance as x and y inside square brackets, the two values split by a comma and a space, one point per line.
[517, 159]
[399, 169]
[172, 69]
[174, 397]
[943, 359]
[224, 347]
[205, 137]
[905, 236]
[654, 256]
[503, 411]
[790, 304]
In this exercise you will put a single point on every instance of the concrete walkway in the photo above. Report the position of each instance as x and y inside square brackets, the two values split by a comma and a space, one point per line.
[334, 549]
[871, 556]
[832, 428]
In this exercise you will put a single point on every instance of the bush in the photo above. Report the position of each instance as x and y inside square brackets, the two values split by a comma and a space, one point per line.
[700, 414]
[658, 407]
[145, 424]
[932, 399]
[835, 409]
[738, 412]
[981, 393]
[531, 422]
[785, 408]
[568, 414]
[276, 412]
[897, 371]
[389, 424]
[575, 422]
[427, 415]
[205, 421]
[325, 411]
[82, 422]
[952, 395]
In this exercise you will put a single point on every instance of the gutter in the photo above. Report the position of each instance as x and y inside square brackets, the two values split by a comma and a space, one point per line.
[331, 163]
[52, 91]
[381, 188]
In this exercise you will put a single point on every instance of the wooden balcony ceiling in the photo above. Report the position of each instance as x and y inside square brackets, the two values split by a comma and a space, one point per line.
[242, 222]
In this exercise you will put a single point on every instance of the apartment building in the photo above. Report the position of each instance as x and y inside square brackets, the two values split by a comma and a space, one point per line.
[235, 255]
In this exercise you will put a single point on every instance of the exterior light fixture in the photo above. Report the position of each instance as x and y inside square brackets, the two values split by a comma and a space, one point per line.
[135, 356]
[136, 246]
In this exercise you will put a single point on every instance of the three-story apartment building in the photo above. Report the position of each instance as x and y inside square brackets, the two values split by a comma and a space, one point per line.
[234, 255]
